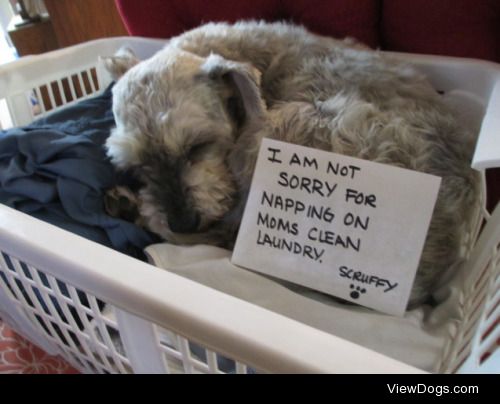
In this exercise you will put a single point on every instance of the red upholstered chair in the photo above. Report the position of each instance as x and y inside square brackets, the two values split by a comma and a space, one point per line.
[466, 28]
[159, 18]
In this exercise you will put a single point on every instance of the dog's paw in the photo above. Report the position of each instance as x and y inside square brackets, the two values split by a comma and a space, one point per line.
[121, 203]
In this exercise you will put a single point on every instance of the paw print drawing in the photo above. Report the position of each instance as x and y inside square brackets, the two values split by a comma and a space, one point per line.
[357, 292]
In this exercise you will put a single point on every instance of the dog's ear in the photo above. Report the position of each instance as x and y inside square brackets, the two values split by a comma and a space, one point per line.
[242, 80]
[118, 64]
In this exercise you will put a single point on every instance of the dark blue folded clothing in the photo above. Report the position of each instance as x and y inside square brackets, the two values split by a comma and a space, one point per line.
[56, 170]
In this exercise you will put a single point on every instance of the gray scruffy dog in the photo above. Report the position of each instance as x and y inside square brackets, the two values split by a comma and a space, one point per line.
[190, 119]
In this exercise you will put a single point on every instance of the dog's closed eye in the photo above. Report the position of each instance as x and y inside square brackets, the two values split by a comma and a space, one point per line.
[196, 152]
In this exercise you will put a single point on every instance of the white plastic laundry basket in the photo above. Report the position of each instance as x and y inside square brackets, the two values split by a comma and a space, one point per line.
[155, 321]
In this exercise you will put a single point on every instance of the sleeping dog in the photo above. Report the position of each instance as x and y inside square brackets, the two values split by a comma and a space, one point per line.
[190, 119]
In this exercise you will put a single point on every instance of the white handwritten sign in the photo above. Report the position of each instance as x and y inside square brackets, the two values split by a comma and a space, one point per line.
[344, 226]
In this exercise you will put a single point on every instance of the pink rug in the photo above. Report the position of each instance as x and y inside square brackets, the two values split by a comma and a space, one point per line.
[17, 355]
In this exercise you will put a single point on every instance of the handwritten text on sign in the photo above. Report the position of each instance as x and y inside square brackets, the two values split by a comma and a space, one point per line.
[344, 226]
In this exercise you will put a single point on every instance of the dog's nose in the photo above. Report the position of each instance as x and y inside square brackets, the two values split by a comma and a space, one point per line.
[184, 223]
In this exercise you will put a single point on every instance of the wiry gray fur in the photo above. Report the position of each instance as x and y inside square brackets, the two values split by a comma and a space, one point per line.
[222, 88]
